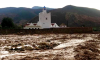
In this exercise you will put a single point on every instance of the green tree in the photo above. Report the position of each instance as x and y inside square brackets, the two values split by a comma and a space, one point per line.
[7, 23]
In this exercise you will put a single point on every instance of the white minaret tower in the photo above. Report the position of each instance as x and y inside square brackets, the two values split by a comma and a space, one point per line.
[44, 19]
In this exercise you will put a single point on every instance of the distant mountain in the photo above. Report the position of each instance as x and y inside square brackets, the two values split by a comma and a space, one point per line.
[19, 15]
[74, 16]
[38, 7]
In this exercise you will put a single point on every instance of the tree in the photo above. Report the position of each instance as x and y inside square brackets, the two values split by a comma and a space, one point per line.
[7, 23]
[0, 26]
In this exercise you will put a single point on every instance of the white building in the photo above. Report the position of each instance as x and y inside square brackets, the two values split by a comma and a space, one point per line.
[54, 25]
[32, 26]
[44, 21]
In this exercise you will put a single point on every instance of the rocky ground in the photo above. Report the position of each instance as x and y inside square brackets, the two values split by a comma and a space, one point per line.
[50, 47]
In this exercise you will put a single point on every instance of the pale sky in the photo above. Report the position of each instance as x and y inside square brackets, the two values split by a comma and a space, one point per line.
[50, 3]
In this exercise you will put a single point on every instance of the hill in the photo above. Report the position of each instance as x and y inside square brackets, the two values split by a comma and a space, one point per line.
[74, 16]
[38, 7]
[19, 15]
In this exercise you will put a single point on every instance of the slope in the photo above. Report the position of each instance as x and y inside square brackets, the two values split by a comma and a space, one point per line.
[75, 16]
[19, 15]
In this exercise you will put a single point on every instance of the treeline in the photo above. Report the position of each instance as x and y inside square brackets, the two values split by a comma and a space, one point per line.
[7, 23]
[96, 28]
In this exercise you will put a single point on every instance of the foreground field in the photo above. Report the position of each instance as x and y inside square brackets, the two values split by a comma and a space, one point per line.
[50, 47]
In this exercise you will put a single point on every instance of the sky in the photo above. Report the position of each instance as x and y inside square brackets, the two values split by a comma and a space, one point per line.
[50, 3]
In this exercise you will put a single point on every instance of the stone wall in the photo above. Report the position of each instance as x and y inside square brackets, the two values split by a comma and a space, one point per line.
[46, 31]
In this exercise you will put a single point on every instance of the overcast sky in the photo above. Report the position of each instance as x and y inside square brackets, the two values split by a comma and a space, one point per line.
[50, 3]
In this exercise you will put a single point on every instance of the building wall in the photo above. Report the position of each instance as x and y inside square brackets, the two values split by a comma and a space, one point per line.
[44, 19]
[31, 27]
[44, 31]
[54, 26]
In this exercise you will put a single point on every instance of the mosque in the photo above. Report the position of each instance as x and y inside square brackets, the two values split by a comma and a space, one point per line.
[43, 23]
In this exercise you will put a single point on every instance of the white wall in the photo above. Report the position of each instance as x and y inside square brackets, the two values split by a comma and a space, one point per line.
[54, 26]
[29, 27]
[43, 22]
[32, 26]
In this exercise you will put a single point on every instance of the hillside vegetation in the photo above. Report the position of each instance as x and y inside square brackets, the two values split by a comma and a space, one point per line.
[72, 16]
[19, 15]
[75, 16]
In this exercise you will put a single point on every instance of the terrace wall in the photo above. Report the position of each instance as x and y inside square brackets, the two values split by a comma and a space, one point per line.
[46, 31]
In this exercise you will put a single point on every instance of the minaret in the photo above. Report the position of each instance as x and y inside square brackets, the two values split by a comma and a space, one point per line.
[44, 19]
[44, 10]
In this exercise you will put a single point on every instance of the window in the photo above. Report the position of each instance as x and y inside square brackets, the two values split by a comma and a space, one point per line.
[46, 18]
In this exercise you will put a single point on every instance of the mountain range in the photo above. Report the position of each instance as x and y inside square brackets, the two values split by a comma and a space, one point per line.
[38, 7]
[70, 15]
[20, 15]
